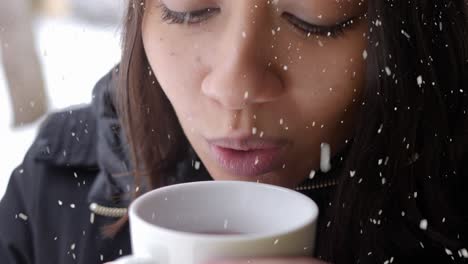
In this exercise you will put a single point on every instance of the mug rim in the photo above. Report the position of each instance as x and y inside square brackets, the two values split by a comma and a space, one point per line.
[309, 220]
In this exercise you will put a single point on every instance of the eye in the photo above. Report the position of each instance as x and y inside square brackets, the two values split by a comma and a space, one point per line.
[193, 17]
[308, 29]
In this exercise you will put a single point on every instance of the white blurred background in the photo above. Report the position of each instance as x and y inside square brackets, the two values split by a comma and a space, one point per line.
[77, 42]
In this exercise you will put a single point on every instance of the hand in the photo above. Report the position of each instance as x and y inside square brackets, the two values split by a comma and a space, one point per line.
[298, 260]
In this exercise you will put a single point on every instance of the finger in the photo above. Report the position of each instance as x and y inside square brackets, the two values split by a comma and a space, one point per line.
[298, 260]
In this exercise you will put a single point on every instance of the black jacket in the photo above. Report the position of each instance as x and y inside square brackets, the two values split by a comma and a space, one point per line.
[77, 159]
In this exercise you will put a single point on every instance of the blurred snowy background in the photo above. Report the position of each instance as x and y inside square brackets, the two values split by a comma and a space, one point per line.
[77, 42]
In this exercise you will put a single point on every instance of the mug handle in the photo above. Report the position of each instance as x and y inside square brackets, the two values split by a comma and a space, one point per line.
[134, 260]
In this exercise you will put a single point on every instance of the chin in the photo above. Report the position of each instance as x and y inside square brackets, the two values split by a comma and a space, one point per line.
[268, 178]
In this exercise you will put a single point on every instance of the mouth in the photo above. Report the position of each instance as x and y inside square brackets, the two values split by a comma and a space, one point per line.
[248, 156]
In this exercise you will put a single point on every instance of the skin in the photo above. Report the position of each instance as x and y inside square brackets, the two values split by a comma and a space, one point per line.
[231, 77]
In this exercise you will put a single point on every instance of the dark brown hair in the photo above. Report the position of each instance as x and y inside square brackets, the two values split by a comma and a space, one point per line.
[153, 132]
[410, 143]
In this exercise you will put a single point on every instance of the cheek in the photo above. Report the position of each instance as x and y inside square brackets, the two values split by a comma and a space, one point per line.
[324, 97]
[332, 77]
[177, 70]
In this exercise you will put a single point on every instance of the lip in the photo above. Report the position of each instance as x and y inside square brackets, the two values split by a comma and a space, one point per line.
[248, 156]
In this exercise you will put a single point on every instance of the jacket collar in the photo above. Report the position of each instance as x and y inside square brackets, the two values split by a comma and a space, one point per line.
[113, 183]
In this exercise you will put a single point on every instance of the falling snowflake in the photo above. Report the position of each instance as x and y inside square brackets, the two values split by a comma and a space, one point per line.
[448, 252]
[423, 224]
[464, 252]
[405, 34]
[312, 174]
[419, 80]
[23, 216]
[364, 54]
[388, 71]
[325, 165]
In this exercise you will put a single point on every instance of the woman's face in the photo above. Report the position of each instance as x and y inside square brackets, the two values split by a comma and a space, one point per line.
[259, 85]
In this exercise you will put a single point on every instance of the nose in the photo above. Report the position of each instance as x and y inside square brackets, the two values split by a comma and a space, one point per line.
[242, 73]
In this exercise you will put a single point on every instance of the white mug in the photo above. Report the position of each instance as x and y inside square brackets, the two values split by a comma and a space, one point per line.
[190, 223]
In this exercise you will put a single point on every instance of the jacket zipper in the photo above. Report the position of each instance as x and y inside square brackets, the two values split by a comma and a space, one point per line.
[319, 185]
[108, 211]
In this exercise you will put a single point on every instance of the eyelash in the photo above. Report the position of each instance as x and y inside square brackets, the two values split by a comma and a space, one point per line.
[198, 16]
[194, 17]
[308, 29]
